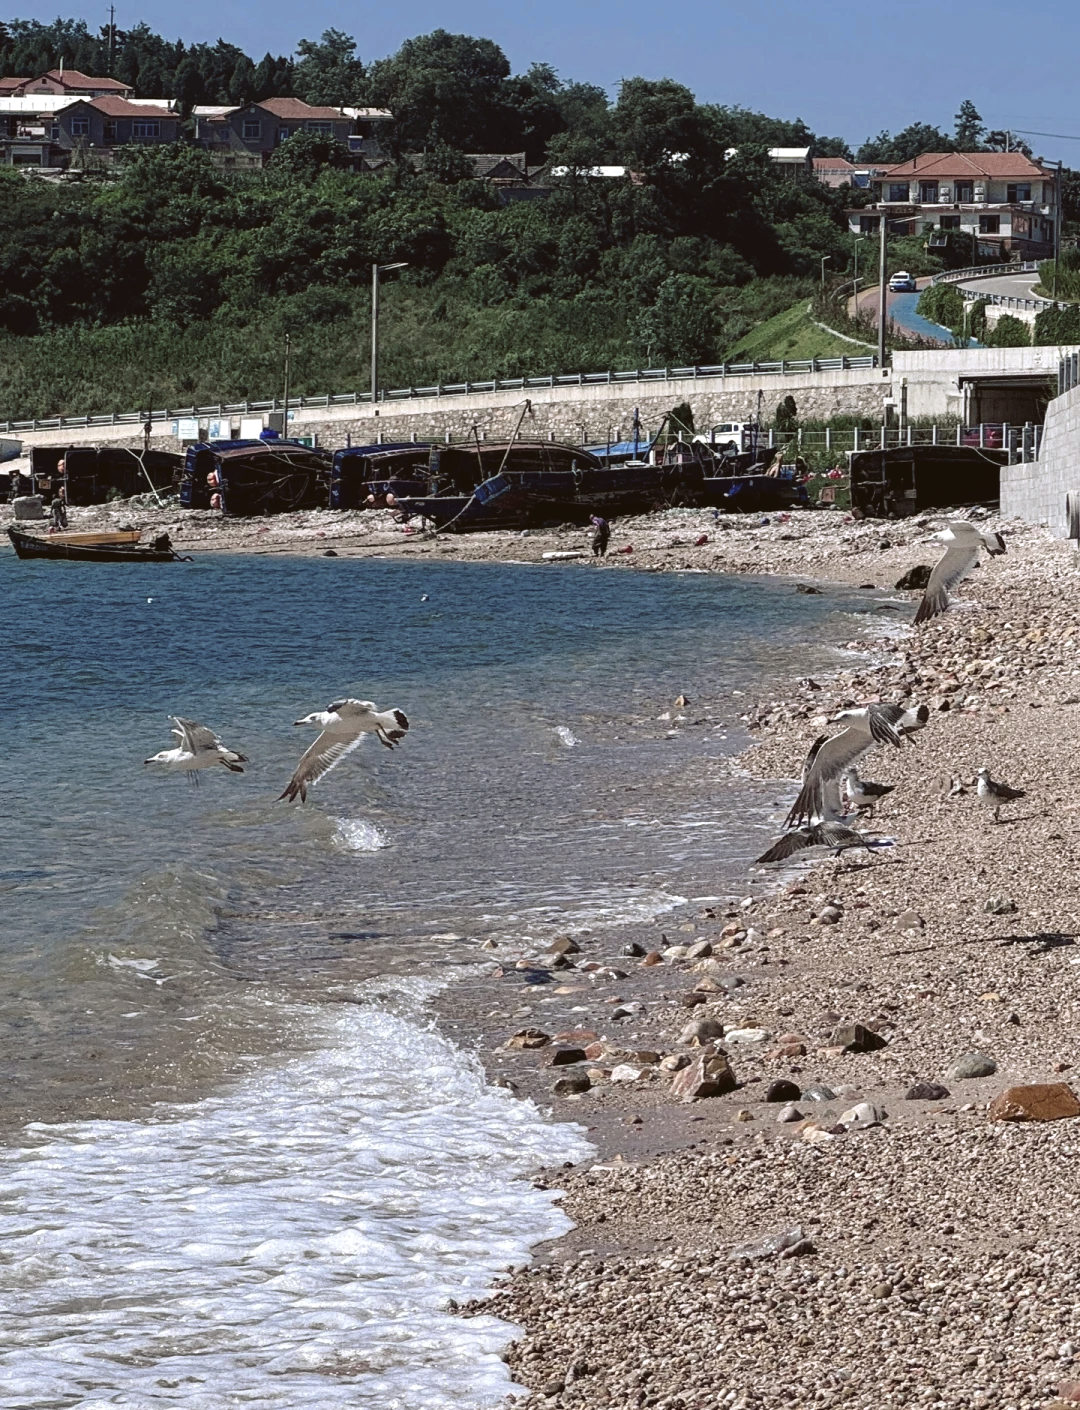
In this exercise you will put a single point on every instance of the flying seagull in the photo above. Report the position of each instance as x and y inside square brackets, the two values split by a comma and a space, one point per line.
[827, 763]
[831, 832]
[199, 748]
[996, 793]
[344, 725]
[863, 793]
[965, 542]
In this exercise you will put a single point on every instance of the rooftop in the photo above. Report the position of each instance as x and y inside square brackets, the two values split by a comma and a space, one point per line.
[991, 165]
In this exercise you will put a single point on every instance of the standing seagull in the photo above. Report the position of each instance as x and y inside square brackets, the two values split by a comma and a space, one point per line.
[996, 793]
[864, 794]
[827, 765]
[965, 542]
[199, 748]
[344, 725]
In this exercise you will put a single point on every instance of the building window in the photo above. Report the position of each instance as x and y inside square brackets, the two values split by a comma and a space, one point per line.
[899, 190]
[110, 132]
[80, 127]
[928, 192]
[56, 132]
[252, 129]
[949, 222]
[965, 191]
[1020, 191]
[869, 224]
[146, 129]
[989, 224]
[326, 128]
[283, 134]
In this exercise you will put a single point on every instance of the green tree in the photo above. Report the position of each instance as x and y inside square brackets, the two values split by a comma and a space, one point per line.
[1008, 332]
[329, 73]
[787, 415]
[1057, 326]
[911, 142]
[969, 128]
[306, 154]
[681, 327]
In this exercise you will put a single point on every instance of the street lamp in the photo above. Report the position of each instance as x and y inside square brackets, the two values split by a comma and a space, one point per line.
[824, 260]
[858, 241]
[376, 270]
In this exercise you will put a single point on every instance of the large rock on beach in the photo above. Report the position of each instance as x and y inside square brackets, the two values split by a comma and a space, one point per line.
[701, 1031]
[1045, 1101]
[854, 1038]
[709, 1076]
[970, 1065]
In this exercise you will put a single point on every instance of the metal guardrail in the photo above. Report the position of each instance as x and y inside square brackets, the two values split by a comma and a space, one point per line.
[457, 389]
[1068, 373]
[982, 271]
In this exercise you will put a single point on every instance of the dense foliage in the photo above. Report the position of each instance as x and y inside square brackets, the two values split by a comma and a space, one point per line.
[167, 279]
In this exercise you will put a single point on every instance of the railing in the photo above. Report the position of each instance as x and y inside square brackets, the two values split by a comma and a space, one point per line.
[1069, 373]
[1021, 442]
[982, 271]
[456, 389]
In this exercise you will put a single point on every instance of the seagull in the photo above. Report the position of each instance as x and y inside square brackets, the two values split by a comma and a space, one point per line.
[996, 793]
[199, 748]
[344, 725]
[829, 833]
[864, 794]
[965, 542]
[828, 762]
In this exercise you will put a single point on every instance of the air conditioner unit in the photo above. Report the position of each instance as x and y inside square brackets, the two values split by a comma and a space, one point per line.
[979, 193]
[945, 194]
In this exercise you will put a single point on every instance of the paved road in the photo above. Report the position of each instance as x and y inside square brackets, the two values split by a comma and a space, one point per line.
[900, 308]
[1017, 286]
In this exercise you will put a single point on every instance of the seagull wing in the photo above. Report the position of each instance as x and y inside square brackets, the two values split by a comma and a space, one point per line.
[197, 738]
[830, 764]
[339, 738]
[788, 846]
[952, 568]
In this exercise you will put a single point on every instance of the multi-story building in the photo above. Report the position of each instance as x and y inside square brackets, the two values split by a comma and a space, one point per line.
[1006, 202]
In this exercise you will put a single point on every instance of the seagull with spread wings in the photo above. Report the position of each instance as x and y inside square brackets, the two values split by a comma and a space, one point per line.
[965, 543]
[199, 748]
[344, 725]
[827, 763]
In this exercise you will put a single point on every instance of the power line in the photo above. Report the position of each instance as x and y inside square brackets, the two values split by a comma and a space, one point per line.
[1062, 136]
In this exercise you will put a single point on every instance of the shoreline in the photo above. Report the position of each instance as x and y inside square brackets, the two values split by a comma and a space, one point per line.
[930, 1274]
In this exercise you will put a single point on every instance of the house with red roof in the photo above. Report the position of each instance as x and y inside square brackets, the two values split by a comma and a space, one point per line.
[1008, 203]
[68, 81]
[99, 126]
[248, 135]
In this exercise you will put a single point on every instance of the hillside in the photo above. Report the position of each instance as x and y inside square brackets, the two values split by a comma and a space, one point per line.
[792, 335]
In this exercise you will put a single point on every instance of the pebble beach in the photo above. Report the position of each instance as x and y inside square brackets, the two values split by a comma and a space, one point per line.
[807, 1188]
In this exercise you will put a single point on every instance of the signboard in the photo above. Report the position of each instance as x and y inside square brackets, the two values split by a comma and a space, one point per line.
[250, 428]
[186, 429]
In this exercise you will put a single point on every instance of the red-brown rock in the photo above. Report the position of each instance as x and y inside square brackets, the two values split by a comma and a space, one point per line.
[529, 1038]
[1042, 1101]
[708, 1076]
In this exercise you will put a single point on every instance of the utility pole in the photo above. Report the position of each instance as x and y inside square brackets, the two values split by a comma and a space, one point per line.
[112, 37]
[376, 270]
[288, 350]
[881, 297]
[1057, 229]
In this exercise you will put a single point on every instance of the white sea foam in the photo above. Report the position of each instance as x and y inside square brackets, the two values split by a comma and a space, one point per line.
[291, 1244]
[568, 737]
[356, 835]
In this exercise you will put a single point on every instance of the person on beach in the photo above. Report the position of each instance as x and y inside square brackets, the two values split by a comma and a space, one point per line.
[59, 510]
[601, 535]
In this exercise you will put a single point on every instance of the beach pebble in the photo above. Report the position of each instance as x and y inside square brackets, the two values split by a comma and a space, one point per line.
[563, 1057]
[702, 1030]
[572, 1085]
[789, 1113]
[969, 1065]
[692, 999]
[926, 1092]
[782, 1091]
[747, 1035]
[855, 1038]
[529, 1038]
[818, 1093]
[707, 1076]
[1048, 1101]
[625, 1073]
[862, 1116]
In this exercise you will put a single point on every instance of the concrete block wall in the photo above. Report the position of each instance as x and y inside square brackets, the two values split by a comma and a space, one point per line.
[1036, 492]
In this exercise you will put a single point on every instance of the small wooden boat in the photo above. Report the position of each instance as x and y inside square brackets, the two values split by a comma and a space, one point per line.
[120, 546]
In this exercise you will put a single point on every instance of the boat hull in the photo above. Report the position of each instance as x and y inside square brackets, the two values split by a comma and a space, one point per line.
[38, 546]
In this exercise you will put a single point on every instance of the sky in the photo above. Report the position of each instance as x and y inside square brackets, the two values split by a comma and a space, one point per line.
[846, 67]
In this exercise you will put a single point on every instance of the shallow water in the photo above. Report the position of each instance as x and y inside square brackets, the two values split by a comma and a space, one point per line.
[262, 1194]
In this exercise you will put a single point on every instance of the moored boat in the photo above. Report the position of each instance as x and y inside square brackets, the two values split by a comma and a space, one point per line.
[121, 546]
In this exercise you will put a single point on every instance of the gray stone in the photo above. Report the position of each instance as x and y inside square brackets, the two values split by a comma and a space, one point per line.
[702, 1030]
[969, 1065]
[818, 1093]
[1000, 906]
[788, 1113]
[862, 1116]
[572, 1086]
[854, 1038]
[926, 1092]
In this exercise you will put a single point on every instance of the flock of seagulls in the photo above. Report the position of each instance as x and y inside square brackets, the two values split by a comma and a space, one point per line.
[831, 783]
[342, 724]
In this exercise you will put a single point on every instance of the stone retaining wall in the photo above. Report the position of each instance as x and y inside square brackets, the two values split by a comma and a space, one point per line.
[1037, 491]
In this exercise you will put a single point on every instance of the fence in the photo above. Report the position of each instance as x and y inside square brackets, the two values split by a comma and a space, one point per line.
[1022, 442]
[1068, 373]
[457, 389]
[953, 276]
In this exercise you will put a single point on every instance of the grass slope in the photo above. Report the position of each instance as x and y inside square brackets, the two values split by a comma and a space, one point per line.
[791, 335]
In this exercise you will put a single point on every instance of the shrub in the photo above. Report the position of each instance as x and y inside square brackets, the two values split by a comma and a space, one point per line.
[1008, 332]
[1057, 325]
[942, 303]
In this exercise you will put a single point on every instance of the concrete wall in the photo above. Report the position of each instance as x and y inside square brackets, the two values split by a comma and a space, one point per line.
[1036, 491]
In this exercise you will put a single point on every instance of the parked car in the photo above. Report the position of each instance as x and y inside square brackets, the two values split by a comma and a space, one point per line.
[901, 283]
[993, 435]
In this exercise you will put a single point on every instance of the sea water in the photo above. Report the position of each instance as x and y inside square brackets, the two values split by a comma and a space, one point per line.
[239, 1165]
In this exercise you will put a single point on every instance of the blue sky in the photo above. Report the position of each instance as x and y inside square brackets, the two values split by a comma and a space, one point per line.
[846, 67]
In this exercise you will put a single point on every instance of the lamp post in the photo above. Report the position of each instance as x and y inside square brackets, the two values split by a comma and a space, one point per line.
[824, 261]
[376, 270]
[288, 351]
